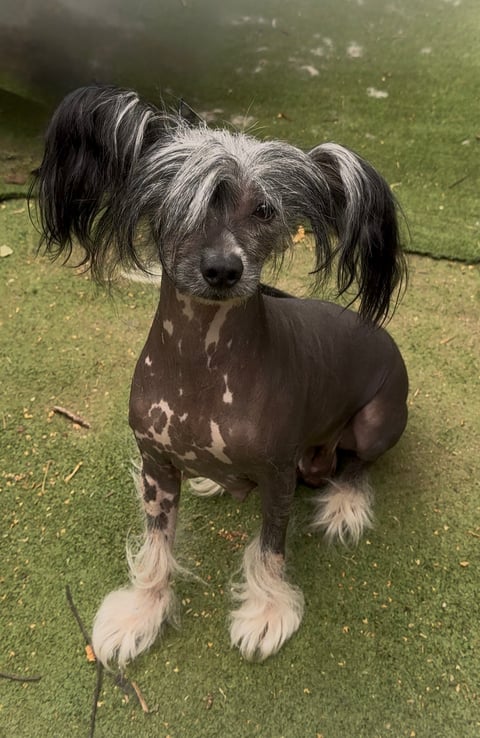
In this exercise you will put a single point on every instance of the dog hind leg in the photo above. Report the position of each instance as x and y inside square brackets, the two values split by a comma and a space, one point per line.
[129, 619]
[343, 511]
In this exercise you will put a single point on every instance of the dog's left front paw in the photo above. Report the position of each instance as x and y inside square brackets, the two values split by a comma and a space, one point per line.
[271, 609]
[260, 629]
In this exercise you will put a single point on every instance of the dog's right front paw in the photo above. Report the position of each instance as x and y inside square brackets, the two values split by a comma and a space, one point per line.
[128, 622]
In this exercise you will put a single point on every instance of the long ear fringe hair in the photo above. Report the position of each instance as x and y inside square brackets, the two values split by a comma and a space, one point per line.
[364, 219]
[93, 145]
[120, 175]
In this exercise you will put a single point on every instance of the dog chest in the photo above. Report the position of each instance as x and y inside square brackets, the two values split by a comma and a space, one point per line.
[189, 403]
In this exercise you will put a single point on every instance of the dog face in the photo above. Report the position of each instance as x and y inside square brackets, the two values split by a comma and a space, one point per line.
[222, 206]
[225, 260]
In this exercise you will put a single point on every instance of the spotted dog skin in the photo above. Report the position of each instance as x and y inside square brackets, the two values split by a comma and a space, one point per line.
[237, 383]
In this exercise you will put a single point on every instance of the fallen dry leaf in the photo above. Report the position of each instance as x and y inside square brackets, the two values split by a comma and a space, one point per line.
[15, 178]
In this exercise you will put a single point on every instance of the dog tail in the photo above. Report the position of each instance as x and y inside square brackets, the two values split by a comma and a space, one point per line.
[363, 216]
[94, 144]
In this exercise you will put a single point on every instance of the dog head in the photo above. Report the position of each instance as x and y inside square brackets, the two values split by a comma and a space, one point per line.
[118, 174]
[221, 203]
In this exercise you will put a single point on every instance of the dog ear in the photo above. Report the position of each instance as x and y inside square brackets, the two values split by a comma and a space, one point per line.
[93, 144]
[363, 216]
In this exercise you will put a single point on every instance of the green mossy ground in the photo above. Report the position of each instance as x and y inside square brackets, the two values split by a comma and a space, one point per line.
[390, 639]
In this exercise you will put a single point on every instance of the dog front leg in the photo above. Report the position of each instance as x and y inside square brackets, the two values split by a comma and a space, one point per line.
[130, 619]
[270, 608]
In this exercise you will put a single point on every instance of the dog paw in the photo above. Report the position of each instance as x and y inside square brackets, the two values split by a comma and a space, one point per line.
[203, 487]
[270, 609]
[128, 622]
[343, 512]
[260, 628]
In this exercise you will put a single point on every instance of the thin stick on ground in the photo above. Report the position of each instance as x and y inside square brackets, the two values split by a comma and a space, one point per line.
[119, 679]
[19, 677]
[99, 667]
[77, 617]
[71, 416]
[70, 476]
[96, 697]
[140, 697]
[130, 688]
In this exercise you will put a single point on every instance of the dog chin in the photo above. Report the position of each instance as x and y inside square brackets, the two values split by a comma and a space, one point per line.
[214, 296]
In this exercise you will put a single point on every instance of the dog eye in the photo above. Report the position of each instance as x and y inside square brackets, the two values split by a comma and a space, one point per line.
[264, 212]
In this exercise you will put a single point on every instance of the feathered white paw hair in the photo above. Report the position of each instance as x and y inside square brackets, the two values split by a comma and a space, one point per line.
[343, 512]
[271, 609]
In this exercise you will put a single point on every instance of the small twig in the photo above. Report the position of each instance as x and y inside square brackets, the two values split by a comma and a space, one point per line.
[19, 677]
[71, 416]
[458, 181]
[128, 687]
[77, 617]
[72, 473]
[446, 340]
[99, 669]
[222, 693]
[96, 697]
[140, 697]
[47, 468]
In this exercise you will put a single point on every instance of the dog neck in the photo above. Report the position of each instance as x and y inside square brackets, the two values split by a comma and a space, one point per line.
[207, 328]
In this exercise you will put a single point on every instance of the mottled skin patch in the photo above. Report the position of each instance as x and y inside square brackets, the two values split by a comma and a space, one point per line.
[227, 395]
[218, 321]
[159, 486]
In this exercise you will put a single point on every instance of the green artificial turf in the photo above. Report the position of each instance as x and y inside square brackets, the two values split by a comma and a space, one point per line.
[389, 642]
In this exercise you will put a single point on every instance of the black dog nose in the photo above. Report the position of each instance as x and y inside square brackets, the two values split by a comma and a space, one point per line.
[221, 270]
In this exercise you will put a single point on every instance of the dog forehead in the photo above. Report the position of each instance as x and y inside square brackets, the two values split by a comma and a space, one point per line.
[218, 141]
[236, 150]
[200, 168]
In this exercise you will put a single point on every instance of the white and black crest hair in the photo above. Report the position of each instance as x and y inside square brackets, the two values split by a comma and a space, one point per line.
[118, 172]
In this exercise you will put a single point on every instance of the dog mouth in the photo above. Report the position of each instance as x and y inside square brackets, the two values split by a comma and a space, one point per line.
[237, 292]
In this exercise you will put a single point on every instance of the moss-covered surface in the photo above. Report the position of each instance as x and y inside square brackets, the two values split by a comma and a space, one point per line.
[389, 643]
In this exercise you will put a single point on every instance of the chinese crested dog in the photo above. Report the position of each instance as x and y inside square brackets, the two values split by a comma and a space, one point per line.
[238, 382]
